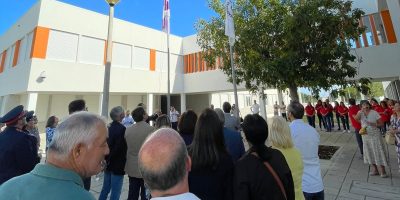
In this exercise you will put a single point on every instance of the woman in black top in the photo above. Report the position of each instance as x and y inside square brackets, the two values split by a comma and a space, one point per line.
[212, 168]
[252, 179]
[186, 125]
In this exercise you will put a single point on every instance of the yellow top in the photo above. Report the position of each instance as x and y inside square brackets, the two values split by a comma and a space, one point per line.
[295, 162]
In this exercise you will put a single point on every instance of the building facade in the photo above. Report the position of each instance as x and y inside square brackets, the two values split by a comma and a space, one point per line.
[56, 53]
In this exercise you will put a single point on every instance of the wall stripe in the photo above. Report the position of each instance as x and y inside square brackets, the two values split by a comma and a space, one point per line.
[374, 32]
[364, 35]
[152, 59]
[16, 53]
[39, 43]
[3, 60]
[387, 22]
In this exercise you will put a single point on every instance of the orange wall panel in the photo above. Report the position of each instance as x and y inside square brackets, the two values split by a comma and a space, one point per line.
[152, 60]
[2, 61]
[39, 43]
[387, 22]
[16, 53]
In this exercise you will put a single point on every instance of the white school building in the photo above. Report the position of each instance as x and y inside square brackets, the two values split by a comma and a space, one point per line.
[55, 53]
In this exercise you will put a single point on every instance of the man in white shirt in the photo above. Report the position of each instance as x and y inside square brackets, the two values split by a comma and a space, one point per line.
[255, 108]
[306, 139]
[173, 116]
[165, 164]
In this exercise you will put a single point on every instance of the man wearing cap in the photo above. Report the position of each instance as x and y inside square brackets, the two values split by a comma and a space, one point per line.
[18, 153]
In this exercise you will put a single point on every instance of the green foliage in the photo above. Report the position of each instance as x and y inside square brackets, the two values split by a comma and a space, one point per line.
[285, 43]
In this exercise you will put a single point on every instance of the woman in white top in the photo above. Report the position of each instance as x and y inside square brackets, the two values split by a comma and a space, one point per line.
[374, 151]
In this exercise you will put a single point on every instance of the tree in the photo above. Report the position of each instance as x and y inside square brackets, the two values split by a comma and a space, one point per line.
[285, 43]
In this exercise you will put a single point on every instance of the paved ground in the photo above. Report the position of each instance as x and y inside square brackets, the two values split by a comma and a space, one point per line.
[345, 175]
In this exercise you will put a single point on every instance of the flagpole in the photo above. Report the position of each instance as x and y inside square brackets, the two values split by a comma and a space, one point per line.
[168, 75]
[236, 112]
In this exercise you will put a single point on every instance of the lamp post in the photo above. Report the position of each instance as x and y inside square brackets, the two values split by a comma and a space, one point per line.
[106, 87]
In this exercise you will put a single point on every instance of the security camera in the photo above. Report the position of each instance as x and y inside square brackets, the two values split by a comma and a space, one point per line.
[43, 75]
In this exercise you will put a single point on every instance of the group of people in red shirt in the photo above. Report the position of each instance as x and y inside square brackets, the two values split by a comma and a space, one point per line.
[325, 112]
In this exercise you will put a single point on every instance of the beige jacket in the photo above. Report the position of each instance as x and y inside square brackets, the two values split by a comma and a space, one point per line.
[135, 136]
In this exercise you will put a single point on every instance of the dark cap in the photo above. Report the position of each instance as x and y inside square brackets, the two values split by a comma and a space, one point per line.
[29, 115]
[13, 115]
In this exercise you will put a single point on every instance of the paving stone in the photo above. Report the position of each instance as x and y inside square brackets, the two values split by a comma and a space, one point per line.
[375, 190]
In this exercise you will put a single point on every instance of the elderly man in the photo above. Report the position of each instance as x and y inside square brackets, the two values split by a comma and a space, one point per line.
[306, 139]
[77, 150]
[135, 136]
[18, 151]
[165, 164]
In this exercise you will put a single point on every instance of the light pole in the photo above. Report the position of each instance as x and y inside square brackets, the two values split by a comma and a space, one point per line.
[106, 87]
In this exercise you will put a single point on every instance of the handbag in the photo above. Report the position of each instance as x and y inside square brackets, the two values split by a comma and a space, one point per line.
[390, 139]
[363, 131]
[276, 177]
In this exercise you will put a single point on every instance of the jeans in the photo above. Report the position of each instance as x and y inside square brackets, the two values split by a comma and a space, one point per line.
[314, 196]
[338, 121]
[311, 120]
[327, 123]
[136, 185]
[111, 182]
[345, 122]
[359, 141]
[321, 121]
[330, 116]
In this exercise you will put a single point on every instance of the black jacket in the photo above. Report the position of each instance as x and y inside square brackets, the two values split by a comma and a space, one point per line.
[18, 154]
[253, 180]
[116, 142]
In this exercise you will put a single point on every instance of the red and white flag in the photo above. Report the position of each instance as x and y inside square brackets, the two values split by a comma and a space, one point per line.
[166, 15]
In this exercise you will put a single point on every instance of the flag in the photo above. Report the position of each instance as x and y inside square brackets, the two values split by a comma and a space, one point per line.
[165, 20]
[229, 24]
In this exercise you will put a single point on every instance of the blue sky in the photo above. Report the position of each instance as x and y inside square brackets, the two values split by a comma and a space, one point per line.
[184, 13]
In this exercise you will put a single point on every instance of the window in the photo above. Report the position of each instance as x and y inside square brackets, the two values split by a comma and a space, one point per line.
[141, 58]
[22, 50]
[63, 46]
[122, 55]
[91, 50]
[248, 100]
[28, 46]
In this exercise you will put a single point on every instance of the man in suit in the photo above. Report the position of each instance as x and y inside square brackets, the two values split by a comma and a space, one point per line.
[135, 135]
[18, 152]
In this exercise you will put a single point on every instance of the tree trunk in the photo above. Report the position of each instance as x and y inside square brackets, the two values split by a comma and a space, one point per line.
[293, 93]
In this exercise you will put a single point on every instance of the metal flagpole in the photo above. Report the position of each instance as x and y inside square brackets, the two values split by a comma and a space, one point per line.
[230, 32]
[169, 85]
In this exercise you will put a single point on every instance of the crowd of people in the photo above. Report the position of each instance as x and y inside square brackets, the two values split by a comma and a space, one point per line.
[186, 156]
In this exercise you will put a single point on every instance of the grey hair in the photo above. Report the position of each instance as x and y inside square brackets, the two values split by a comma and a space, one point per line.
[297, 109]
[220, 114]
[116, 112]
[173, 172]
[80, 127]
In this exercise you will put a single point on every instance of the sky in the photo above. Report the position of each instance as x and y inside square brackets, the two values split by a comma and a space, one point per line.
[184, 13]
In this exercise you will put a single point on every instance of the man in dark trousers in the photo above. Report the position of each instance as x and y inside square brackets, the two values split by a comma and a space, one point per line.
[18, 152]
[76, 106]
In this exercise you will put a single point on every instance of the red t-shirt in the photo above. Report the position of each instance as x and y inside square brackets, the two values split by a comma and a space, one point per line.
[324, 111]
[381, 111]
[353, 110]
[343, 110]
[330, 108]
[310, 111]
[318, 108]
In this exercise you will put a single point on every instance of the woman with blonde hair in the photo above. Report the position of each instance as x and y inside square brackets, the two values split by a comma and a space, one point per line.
[281, 139]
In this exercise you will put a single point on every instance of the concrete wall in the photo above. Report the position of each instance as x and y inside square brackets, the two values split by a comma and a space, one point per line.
[198, 102]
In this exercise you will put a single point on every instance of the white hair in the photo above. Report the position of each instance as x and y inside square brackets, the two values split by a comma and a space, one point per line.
[116, 112]
[80, 127]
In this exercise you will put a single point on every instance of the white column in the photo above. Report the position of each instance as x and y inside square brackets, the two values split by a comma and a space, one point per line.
[263, 111]
[280, 97]
[100, 102]
[31, 101]
[394, 9]
[183, 102]
[4, 105]
[150, 102]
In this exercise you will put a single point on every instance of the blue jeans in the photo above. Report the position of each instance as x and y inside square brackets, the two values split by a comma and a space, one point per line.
[111, 182]
[327, 122]
[311, 120]
[359, 141]
[314, 196]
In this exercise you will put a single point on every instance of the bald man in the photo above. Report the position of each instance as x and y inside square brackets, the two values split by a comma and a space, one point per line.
[165, 164]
